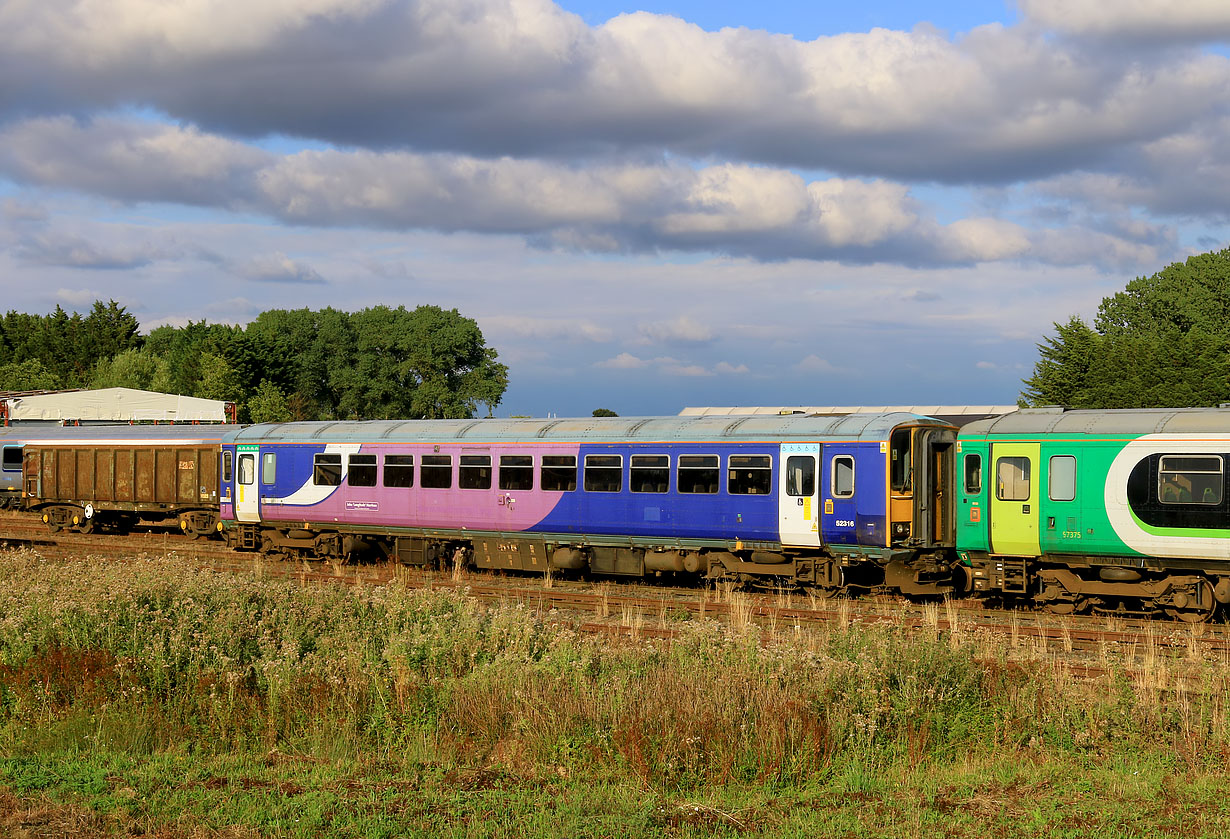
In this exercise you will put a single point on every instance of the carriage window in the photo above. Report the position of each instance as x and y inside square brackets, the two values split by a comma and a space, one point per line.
[436, 471]
[899, 447]
[326, 470]
[475, 471]
[749, 474]
[650, 472]
[516, 471]
[399, 470]
[559, 472]
[1190, 479]
[843, 476]
[1062, 479]
[247, 469]
[1012, 479]
[973, 473]
[603, 472]
[12, 459]
[801, 475]
[362, 470]
[269, 468]
[699, 473]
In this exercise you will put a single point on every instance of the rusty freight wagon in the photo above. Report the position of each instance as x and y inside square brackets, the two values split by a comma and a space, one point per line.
[116, 476]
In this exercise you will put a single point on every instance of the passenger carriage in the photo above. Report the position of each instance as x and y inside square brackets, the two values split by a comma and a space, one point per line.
[836, 502]
[1121, 511]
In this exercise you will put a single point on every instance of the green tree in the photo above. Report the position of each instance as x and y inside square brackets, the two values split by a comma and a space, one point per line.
[268, 404]
[1164, 341]
[27, 375]
[139, 369]
[604, 412]
[1062, 372]
[105, 332]
[218, 379]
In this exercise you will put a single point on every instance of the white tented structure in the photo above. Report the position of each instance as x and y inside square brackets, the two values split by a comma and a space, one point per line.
[113, 404]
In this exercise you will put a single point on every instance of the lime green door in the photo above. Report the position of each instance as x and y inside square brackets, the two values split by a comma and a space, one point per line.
[1014, 502]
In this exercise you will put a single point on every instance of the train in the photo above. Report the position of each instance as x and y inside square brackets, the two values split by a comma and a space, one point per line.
[113, 477]
[1126, 512]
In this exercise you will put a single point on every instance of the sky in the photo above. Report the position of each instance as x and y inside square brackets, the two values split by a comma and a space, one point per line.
[644, 205]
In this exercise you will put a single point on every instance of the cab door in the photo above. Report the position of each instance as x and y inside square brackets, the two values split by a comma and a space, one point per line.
[799, 494]
[247, 492]
[1014, 500]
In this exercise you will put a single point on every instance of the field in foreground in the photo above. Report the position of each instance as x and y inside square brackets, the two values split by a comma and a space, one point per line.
[152, 698]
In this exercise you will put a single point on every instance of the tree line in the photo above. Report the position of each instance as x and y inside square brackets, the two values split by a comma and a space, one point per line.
[378, 363]
[1162, 342]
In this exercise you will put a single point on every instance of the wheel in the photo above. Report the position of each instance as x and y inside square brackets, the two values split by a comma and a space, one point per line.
[86, 526]
[1198, 609]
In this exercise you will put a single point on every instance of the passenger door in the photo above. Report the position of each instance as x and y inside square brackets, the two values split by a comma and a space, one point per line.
[247, 491]
[799, 494]
[1014, 499]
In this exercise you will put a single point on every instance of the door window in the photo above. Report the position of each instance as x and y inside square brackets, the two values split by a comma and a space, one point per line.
[1012, 479]
[247, 469]
[973, 473]
[801, 475]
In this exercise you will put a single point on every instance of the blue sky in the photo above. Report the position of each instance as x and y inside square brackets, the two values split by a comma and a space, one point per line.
[702, 204]
[807, 20]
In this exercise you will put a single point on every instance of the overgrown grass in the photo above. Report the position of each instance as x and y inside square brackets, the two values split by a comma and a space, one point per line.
[154, 696]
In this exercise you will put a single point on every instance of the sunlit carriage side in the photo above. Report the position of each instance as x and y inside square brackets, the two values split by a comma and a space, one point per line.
[849, 502]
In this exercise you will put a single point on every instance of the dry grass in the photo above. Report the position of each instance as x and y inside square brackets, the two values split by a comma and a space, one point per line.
[152, 655]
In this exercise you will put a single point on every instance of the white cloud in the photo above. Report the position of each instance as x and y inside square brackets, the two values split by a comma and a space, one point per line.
[681, 330]
[525, 78]
[815, 364]
[1142, 20]
[568, 329]
[623, 361]
[279, 268]
[77, 296]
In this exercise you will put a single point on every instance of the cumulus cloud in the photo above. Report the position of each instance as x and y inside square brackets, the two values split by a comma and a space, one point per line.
[74, 251]
[815, 364]
[681, 330]
[632, 207]
[77, 296]
[673, 367]
[525, 78]
[131, 160]
[279, 268]
[567, 329]
[623, 361]
[1200, 21]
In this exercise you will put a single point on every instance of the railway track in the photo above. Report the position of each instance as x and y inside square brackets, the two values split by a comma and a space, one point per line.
[1089, 646]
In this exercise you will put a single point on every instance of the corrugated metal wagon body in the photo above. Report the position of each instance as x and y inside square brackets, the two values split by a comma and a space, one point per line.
[116, 476]
[760, 496]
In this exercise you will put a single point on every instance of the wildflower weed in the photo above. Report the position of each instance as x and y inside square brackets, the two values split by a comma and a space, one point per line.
[155, 697]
